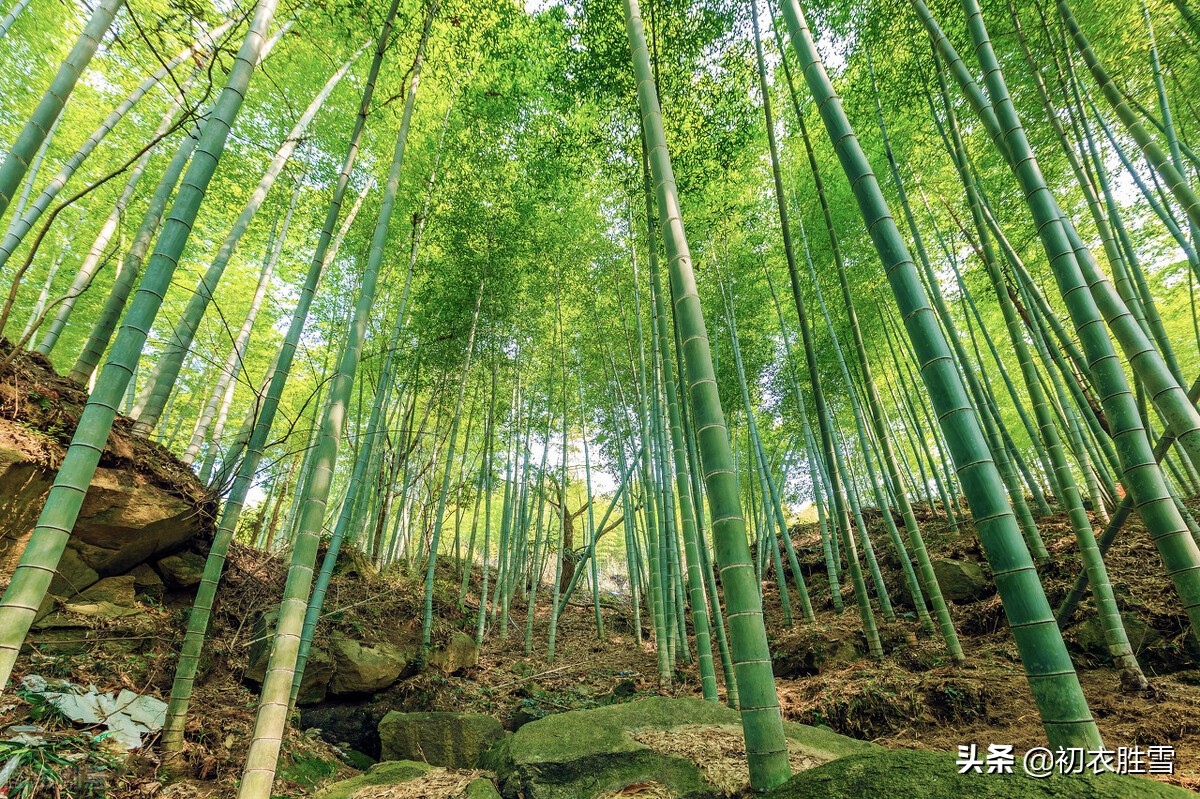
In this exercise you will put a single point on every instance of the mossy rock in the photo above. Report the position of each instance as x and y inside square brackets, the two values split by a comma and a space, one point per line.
[888, 774]
[960, 580]
[482, 788]
[452, 740]
[388, 773]
[580, 754]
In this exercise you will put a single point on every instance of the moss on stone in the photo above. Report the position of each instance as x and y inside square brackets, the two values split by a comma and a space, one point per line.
[482, 788]
[387, 773]
[579, 754]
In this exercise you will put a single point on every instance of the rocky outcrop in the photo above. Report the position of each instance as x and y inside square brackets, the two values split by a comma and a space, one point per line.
[182, 570]
[885, 774]
[340, 666]
[452, 740]
[318, 673]
[106, 614]
[689, 747]
[363, 668]
[960, 580]
[814, 648]
[141, 505]
[457, 655]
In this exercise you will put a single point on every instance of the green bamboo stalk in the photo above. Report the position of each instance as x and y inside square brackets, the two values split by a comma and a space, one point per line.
[766, 746]
[263, 753]
[158, 387]
[24, 221]
[93, 261]
[364, 456]
[1074, 270]
[38, 562]
[25, 147]
[1052, 679]
[687, 510]
[650, 507]
[1132, 677]
[101, 333]
[910, 576]
[1158, 158]
[216, 408]
[11, 17]
[815, 474]
[716, 617]
[435, 539]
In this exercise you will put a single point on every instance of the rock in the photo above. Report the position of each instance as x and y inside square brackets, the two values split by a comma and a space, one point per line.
[74, 574]
[482, 788]
[520, 717]
[459, 654]
[183, 570]
[113, 590]
[361, 668]
[353, 724]
[809, 650]
[961, 580]
[146, 581]
[391, 773]
[100, 611]
[584, 753]
[886, 774]
[453, 740]
[1089, 635]
[318, 672]
[78, 627]
[624, 689]
[141, 504]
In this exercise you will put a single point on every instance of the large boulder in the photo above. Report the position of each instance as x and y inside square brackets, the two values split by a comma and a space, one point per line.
[961, 580]
[364, 668]
[115, 590]
[453, 740]
[456, 655]
[885, 774]
[318, 672]
[126, 518]
[690, 747]
[182, 570]
[142, 503]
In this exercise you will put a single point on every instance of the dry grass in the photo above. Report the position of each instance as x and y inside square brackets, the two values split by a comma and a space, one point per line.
[718, 751]
[440, 783]
[640, 790]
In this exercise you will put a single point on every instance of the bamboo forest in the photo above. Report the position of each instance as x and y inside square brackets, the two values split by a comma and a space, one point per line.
[599, 399]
